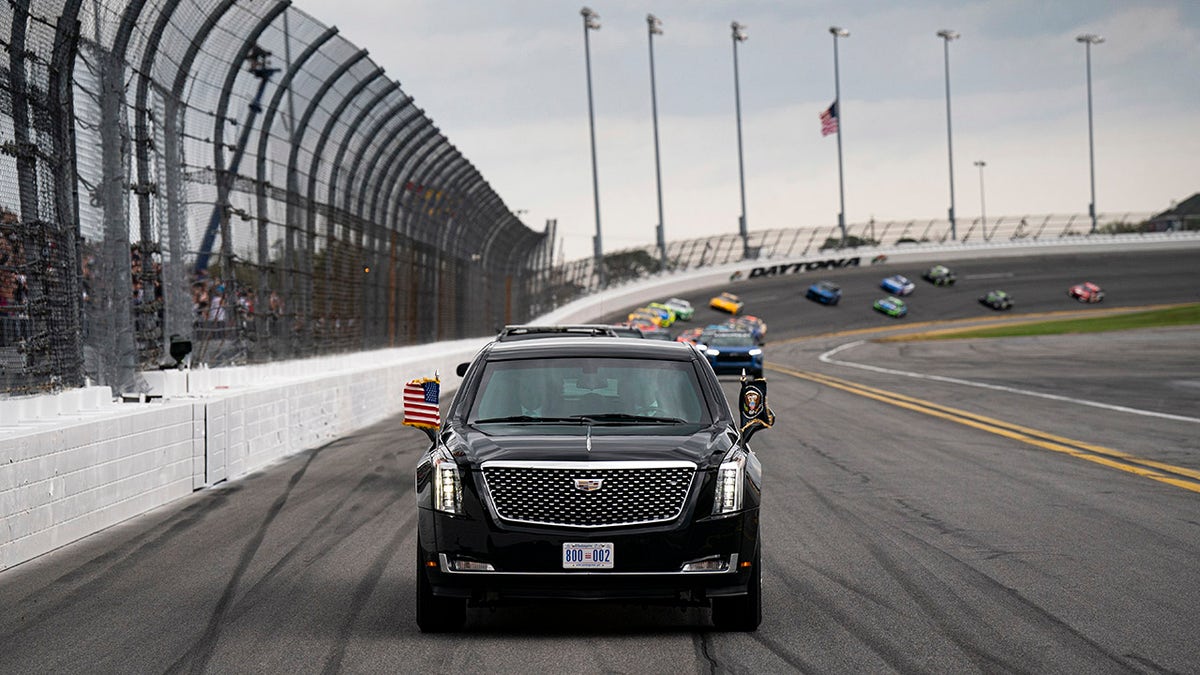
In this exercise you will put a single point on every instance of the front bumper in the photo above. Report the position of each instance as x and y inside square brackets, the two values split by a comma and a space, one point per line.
[647, 561]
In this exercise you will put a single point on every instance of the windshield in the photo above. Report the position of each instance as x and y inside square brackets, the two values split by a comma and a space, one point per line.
[584, 390]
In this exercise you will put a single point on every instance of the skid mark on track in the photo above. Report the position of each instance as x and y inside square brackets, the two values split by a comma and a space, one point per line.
[939, 602]
[96, 573]
[703, 647]
[362, 594]
[199, 657]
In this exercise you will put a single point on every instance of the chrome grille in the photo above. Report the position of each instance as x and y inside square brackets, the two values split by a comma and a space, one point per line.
[546, 493]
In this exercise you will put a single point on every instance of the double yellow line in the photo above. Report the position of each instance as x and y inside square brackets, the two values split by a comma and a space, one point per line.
[1180, 477]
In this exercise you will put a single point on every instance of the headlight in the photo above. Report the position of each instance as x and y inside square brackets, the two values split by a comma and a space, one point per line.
[727, 498]
[447, 484]
[712, 352]
[755, 352]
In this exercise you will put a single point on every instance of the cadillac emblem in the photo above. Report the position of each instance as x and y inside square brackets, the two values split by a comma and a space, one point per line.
[588, 484]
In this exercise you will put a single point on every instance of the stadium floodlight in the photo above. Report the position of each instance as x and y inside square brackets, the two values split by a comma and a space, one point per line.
[591, 22]
[739, 35]
[1089, 39]
[947, 35]
[654, 25]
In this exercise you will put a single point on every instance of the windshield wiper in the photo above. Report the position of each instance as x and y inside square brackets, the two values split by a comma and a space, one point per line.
[635, 419]
[531, 419]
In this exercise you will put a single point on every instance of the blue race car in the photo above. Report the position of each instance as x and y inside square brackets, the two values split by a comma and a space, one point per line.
[897, 284]
[730, 352]
[892, 306]
[824, 292]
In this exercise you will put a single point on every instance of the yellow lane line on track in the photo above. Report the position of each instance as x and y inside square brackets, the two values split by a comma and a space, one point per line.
[1087, 451]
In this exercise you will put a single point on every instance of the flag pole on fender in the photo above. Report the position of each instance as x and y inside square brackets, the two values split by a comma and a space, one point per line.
[422, 397]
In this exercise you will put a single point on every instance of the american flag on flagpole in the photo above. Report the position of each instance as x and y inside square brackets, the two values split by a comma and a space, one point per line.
[421, 403]
[829, 120]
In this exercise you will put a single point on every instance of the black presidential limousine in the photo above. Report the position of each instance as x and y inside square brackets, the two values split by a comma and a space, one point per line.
[593, 468]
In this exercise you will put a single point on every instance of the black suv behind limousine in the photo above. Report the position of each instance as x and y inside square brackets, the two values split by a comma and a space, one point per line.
[597, 469]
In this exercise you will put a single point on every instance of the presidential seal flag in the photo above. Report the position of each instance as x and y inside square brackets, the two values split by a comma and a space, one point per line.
[421, 403]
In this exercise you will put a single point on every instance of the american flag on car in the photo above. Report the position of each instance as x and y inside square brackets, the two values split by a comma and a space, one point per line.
[421, 403]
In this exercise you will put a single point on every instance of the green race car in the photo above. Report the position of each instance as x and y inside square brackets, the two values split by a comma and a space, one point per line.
[683, 308]
[997, 300]
[939, 275]
[892, 306]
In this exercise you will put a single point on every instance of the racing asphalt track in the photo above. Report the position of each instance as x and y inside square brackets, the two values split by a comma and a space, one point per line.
[1031, 511]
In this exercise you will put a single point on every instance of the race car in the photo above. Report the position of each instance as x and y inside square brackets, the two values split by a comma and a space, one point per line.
[892, 306]
[997, 300]
[898, 284]
[691, 335]
[657, 334]
[665, 316]
[824, 292]
[726, 302]
[641, 315]
[756, 326]
[683, 309]
[939, 275]
[674, 316]
[1086, 292]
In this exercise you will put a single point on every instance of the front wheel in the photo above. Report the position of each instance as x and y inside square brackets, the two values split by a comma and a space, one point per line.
[741, 613]
[434, 614]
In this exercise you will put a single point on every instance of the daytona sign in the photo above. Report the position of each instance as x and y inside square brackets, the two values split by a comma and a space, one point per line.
[800, 267]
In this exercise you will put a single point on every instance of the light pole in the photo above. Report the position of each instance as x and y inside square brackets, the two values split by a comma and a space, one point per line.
[837, 98]
[1088, 40]
[982, 209]
[739, 35]
[591, 21]
[654, 25]
[947, 35]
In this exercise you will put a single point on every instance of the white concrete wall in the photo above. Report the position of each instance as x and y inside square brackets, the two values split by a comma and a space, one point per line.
[77, 462]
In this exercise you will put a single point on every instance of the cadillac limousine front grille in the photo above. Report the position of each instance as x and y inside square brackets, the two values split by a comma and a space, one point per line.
[588, 494]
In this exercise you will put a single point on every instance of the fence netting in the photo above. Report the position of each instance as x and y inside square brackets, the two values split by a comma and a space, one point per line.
[233, 180]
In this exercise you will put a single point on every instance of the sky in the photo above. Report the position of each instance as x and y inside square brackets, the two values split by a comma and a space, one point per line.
[506, 81]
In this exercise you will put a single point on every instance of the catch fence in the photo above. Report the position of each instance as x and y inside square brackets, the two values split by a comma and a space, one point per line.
[232, 178]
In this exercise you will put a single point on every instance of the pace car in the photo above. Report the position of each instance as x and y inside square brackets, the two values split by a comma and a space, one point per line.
[898, 284]
[730, 352]
[824, 292]
[939, 275]
[726, 302]
[892, 306]
[997, 300]
[1086, 292]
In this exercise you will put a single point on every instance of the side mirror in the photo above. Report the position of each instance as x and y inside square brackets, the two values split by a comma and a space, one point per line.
[752, 407]
[462, 369]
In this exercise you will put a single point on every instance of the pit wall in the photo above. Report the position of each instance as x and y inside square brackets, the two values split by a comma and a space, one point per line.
[74, 463]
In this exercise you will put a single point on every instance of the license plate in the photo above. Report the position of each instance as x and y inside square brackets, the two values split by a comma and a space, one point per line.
[588, 556]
